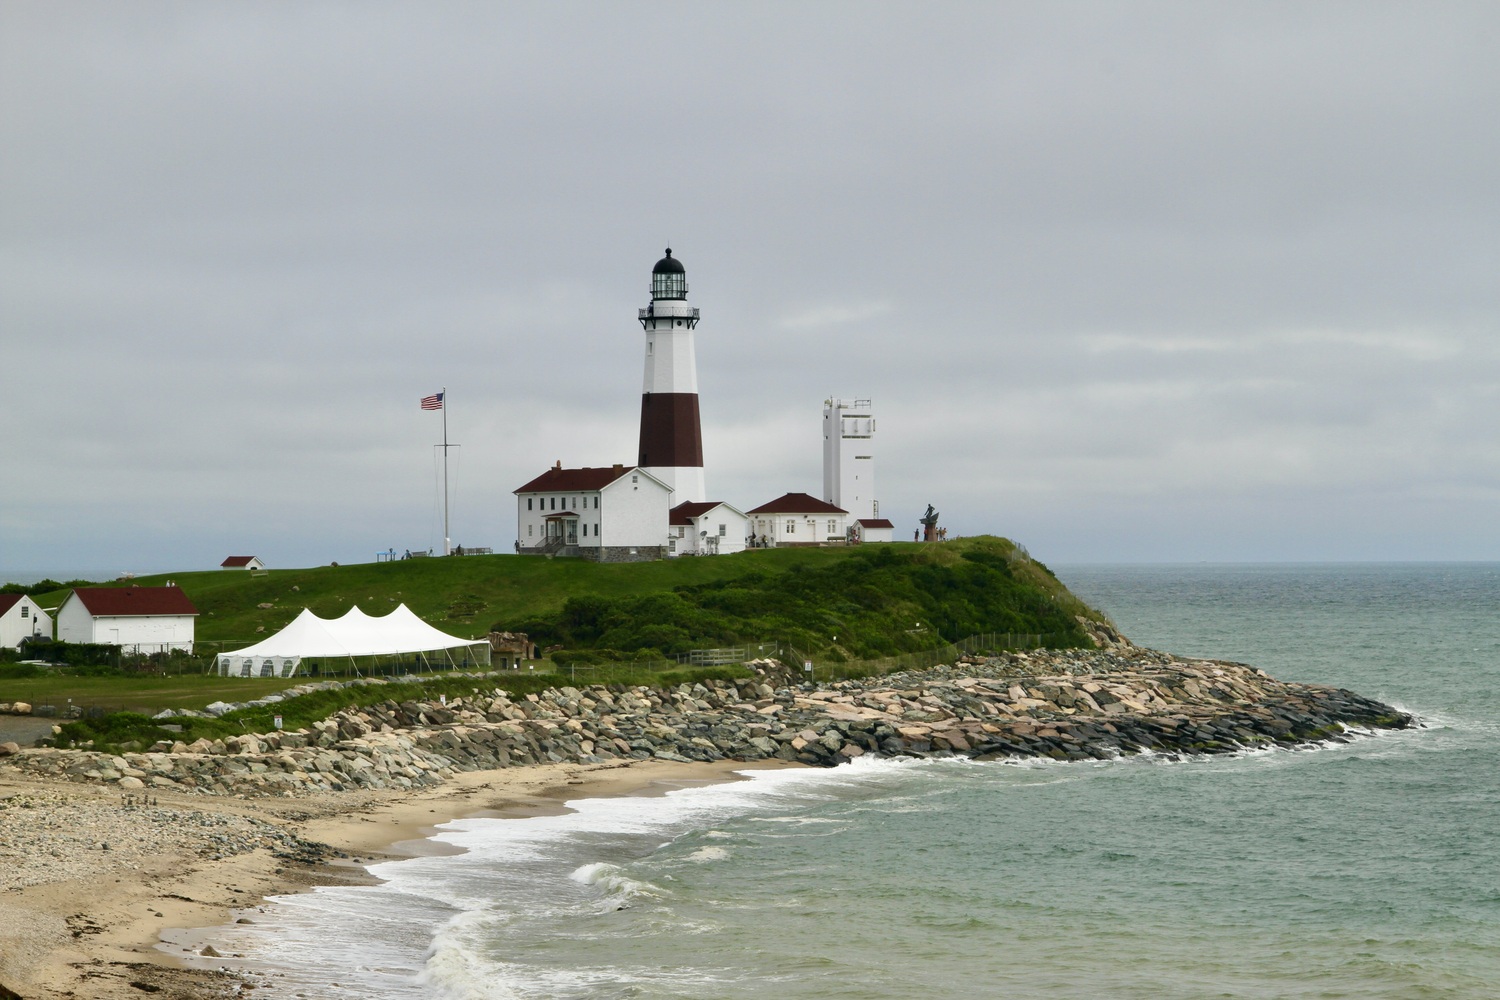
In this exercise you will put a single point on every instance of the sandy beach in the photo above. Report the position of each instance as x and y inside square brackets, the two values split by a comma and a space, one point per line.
[90, 878]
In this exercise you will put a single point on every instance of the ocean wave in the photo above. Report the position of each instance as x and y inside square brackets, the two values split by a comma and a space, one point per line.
[620, 891]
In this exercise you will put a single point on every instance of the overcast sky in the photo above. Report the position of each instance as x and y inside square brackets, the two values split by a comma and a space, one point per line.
[1126, 282]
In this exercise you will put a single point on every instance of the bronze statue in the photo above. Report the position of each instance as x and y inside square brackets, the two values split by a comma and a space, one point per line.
[929, 524]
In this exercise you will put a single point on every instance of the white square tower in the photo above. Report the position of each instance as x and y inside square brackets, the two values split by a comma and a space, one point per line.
[849, 458]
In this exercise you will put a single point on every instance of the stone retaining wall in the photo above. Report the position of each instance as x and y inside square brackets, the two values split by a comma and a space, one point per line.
[1066, 705]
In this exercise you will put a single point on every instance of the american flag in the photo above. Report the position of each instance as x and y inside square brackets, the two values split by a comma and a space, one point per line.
[432, 402]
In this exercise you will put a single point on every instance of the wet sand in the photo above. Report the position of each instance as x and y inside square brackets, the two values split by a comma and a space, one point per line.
[79, 919]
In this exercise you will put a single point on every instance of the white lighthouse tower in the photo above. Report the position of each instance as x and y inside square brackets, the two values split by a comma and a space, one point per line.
[849, 457]
[671, 434]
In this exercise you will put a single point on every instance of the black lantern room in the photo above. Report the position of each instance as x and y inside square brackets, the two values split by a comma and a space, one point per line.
[668, 279]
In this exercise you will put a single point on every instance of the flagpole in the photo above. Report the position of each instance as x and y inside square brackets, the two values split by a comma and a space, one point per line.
[447, 543]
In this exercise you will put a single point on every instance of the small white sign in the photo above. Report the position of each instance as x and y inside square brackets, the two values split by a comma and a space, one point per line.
[276, 721]
[807, 665]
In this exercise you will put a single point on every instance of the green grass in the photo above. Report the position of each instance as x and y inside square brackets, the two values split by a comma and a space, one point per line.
[127, 693]
[461, 595]
[467, 595]
[877, 600]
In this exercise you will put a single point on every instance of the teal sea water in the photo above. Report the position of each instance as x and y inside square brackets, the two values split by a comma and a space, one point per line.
[1363, 870]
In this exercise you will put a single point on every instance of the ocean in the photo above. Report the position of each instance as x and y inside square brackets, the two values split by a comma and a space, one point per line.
[1369, 869]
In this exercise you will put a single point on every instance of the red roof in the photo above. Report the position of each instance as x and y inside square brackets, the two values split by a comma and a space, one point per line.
[556, 480]
[684, 512]
[118, 602]
[8, 601]
[236, 561]
[876, 522]
[797, 503]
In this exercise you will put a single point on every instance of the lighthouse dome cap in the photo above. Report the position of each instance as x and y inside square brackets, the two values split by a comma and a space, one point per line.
[668, 265]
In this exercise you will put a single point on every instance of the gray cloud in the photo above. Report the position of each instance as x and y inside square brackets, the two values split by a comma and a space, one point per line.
[1156, 281]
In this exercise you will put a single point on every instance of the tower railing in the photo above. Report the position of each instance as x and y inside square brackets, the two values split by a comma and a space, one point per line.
[650, 313]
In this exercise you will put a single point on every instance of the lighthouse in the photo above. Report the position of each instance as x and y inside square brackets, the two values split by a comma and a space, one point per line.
[671, 435]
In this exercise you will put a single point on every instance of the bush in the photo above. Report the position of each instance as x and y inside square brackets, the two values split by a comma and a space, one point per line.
[74, 654]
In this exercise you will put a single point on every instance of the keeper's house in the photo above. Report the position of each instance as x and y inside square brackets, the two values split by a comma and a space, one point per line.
[798, 519]
[20, 619]
[710, 528]
[614, 514]
[138, 619]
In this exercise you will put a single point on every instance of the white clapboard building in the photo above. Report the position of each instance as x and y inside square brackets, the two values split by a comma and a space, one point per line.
[21, 618]
[137, 619]
[709, 528]
[613, 514]
[798, 519]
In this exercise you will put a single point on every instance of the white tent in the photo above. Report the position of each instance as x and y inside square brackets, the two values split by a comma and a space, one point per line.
[353, 634]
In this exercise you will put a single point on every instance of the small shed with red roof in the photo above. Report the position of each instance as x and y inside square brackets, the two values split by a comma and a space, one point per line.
[242, 562]
[139, 619]
[798, 519]
[706, 528]
[875, 529]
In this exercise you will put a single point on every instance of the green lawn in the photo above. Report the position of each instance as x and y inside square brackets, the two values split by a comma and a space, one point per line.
[462, 595]
[835, 605]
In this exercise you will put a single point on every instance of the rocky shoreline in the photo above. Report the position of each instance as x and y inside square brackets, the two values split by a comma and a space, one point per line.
[1063, 705]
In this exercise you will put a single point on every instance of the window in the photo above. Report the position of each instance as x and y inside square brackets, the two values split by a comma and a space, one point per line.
[635, 479]
[585, 529]
[596, 503]
[25, 611]
[528, 503]
[554, 503]
[681, 531]
[791, 527]
[832, 527]
[722, 529]
[530, 528]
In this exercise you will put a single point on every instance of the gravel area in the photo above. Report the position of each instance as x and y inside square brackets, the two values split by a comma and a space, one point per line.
[23, 729]
[51, 836]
